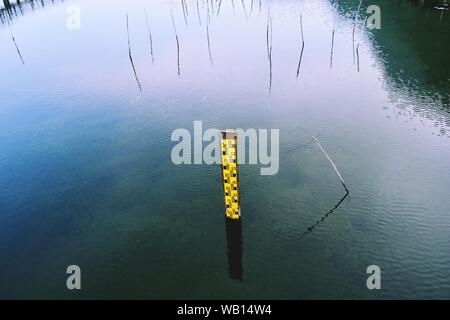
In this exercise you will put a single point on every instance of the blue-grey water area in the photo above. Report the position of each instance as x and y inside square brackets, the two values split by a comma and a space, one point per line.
[86, 176]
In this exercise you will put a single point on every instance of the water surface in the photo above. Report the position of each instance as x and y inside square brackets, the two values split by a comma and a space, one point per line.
[86, 176]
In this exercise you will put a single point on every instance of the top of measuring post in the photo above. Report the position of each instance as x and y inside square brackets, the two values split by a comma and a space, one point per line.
[228, 134]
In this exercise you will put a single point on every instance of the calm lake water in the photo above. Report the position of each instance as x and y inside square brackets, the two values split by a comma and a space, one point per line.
[86, 176]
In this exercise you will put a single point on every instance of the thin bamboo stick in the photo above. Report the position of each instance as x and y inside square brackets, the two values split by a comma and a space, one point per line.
[332, 163]
[303, 47]
[198, 14]
[15, 44]
[332, 49]
[131, 57]
[209, 43]
[150, 36]
[178, 43]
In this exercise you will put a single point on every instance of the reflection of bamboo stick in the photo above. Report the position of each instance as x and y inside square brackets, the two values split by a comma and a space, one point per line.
[303, 47]
[269, 48]
[332, 163]
[209, 44]
[354, 27]
[150, 35]
[198, 13]
[353, 42]
[357, 56]
[245, 9]
[218, 9]
[332, 49]
[232, 3]
[208, 15]
[178, 42]
[184, 11]
[186, 7]
[267, 33]
[131, 58]
[15, 44]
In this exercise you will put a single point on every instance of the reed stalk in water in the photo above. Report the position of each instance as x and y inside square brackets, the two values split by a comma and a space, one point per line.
[149, 35]
[218, 9]
[269, 48]
[131, 57]
[178, 43]
[357, 57]
[183, 5]
[15, 44]
[354, 28]
[209, 43]
[198, 14]
[332, 49]
[303, 47]
[245, 9]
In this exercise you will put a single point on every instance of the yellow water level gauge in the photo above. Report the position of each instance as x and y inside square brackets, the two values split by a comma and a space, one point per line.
[230, 175]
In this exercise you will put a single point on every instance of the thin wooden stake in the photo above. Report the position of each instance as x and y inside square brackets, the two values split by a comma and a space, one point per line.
[15, 44]
[245, 9]
[332, 49]
[198, 13]
[303, 47]
[178, 43]
[269, 48]
[209, 44]
[150, 36]
[218, 9]
[131, 57]
[184, 11]
[357, 56]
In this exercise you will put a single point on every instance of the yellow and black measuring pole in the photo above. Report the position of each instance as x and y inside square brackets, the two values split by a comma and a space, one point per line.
[230, 174]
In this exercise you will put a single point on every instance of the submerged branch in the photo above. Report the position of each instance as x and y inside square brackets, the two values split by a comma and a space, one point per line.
[311, 228]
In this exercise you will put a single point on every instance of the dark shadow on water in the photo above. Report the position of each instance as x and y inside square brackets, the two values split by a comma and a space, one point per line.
[234, 244]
